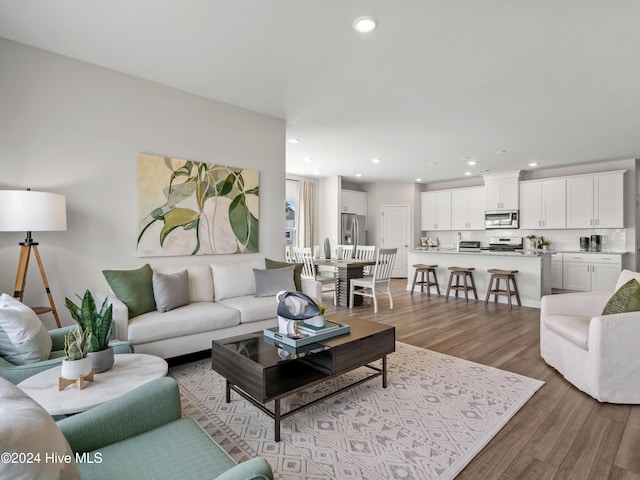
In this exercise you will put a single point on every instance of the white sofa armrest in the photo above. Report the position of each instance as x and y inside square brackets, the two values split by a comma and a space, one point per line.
[313, 288]
[580, 304]
[120, 314]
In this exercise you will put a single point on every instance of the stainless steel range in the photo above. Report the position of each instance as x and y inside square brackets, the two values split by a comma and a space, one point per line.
[505, 244]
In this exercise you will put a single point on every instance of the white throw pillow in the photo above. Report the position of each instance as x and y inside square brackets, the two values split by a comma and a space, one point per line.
[232, 280]
[23, 337]
[200, 281]
[32, 443]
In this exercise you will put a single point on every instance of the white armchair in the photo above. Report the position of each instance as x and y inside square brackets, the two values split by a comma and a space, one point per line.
[596, 353]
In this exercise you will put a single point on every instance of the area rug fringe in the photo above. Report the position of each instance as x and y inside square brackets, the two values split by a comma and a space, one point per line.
[437, 413]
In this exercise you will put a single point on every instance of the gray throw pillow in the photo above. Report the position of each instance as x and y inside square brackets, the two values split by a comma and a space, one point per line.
[270, 282]
[171, 290]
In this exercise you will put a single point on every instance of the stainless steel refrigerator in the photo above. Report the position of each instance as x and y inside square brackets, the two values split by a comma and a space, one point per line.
[353, 230]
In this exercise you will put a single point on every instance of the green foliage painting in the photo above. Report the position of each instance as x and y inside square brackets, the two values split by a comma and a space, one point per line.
[195, 208]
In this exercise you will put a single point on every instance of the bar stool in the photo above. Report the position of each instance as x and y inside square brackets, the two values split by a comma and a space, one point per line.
[462, 273]
[425, 280]
[509, 276]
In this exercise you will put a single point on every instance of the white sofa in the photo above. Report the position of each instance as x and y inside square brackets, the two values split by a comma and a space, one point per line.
[222, 304]
[596, 353]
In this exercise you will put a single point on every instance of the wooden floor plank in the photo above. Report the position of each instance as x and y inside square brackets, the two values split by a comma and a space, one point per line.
[561, 433]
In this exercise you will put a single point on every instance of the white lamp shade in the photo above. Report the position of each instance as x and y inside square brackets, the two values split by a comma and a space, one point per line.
[29, 211]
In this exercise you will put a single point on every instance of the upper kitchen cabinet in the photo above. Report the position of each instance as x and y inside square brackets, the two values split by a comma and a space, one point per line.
[596, 201]
[501, 191]
[354, 202]
[467, 208]
[435, 212]
[543, 204]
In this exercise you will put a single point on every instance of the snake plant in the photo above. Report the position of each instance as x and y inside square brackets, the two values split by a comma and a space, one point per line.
[76, 343]
[98, 323]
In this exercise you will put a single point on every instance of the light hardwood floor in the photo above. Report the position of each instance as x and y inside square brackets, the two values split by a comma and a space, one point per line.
[561, 433]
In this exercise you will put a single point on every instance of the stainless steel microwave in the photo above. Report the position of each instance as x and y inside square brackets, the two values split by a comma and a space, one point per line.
[504, 219]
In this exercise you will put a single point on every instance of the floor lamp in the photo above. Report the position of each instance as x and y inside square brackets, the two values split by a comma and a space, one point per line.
[29, 211]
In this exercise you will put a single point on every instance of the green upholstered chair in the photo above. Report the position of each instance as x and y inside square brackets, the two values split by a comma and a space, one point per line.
[142, 435]
[17, 373]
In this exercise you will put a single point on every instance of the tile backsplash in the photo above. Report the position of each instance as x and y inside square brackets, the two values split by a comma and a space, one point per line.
[614, 239]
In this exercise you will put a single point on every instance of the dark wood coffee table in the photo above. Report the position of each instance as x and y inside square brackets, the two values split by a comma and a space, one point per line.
[262, 372]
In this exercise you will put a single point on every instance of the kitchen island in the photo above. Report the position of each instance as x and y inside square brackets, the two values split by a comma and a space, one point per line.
[533, 277]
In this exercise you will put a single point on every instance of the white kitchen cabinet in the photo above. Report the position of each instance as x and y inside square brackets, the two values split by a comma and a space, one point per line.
[501, 192]
[595, 201]
[543, 204]
[435, 211]
[354, 202]
[556, 271]
[467, 208]
[591, 272]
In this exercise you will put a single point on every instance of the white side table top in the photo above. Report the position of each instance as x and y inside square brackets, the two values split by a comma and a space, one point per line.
[129, 371]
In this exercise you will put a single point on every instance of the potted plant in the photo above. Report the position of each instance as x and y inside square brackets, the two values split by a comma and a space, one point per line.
[76, 364]
[318, 320]
[545, 244]
[532, 241]
[99, 324]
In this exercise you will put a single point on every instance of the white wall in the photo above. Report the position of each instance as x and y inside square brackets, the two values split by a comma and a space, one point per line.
[73, 128]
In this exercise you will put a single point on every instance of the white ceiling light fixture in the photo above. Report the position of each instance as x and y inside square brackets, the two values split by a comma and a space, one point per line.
[418, 179]
[533, 164]
[293, 141]
[365, 24]
[471, 162]
[467, 173]
[375, 160]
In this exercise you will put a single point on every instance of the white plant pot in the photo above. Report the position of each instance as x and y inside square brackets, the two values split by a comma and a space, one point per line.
[74, 369]
[317, 321]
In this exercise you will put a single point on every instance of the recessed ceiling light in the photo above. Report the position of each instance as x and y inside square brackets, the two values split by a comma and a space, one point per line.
[365, 24]
[471, 162]
[375, 160]
[316, 173]
[358, 174]
[293, 140]
[467, 173]
[533, 164]
[418, 179]
[307, 159]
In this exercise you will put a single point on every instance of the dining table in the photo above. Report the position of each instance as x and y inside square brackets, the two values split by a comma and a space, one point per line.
[346, 269]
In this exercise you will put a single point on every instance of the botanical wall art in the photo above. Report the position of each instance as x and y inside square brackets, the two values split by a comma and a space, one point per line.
[195, 208]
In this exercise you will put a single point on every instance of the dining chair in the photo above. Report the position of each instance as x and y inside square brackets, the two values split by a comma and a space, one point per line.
[347, 250]
[367, 286]
[365, 252]
[304, 255]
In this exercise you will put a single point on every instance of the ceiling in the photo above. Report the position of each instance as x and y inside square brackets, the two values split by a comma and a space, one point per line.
[503, 82]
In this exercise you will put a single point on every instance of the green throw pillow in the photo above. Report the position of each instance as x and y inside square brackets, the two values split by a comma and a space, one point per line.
[626, 299]
[134, 288]
[297, 271]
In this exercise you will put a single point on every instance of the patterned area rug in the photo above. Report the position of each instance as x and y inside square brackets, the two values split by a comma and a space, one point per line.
[437, 413]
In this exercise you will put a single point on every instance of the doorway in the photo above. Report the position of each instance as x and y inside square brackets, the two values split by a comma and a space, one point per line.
[396, 233]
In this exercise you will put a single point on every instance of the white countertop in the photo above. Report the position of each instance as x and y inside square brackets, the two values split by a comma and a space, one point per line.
[520, 253]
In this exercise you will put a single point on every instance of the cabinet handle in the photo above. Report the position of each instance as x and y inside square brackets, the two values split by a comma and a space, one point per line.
[591, 221]
[588, 268]
[544, 223]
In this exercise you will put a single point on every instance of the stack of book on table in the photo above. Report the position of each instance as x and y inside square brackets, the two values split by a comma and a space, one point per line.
[313, 330]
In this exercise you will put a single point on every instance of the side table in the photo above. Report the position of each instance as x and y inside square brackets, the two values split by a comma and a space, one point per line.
[129, 371]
